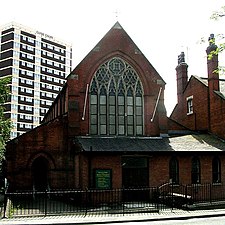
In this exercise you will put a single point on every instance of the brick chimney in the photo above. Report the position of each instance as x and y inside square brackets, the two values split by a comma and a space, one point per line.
[212, 65]
[182, 76]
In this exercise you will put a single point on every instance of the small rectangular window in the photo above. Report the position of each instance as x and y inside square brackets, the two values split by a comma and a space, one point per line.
[190, 105]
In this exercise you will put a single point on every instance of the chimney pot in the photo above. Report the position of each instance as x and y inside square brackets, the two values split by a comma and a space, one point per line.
[182, 76]
[181, 58]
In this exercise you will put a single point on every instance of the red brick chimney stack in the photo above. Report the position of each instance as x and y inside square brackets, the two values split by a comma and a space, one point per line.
[182, 76]
[212, 64]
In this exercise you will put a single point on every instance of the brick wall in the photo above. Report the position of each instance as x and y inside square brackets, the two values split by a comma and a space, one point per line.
[217, 115]
[198, 120]
[117, 43]
[48, 141]
[158, 168]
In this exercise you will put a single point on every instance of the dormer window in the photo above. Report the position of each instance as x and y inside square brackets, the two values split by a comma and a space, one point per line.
[189, 105]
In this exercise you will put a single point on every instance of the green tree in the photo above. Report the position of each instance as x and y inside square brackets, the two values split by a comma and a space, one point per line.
[220, 38]
[5, 124]
[218, 14]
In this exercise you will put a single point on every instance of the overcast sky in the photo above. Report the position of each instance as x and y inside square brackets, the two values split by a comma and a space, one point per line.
[161, 28]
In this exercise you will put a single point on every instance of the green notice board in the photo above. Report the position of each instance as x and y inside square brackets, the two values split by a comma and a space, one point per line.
[103, 178]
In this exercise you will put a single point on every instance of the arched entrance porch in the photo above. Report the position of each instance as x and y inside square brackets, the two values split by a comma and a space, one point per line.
[40, 173]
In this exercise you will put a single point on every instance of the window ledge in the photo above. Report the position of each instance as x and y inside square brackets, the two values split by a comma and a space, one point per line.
[189, 113]
[175, 185]
[196, 185]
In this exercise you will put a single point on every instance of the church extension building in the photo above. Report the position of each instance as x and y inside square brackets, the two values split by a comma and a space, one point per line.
[108, 129]
[201, 101]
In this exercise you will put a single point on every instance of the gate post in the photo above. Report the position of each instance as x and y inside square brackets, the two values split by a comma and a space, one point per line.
[157, 198]
[5, 197]
[5, 204]
[186, 198]
[46, 203]
[172, 197]
[210, 193]
[86, 201]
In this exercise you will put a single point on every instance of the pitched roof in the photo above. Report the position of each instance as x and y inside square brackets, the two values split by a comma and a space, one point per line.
[117, 41]
[205, 82]
[148, 144]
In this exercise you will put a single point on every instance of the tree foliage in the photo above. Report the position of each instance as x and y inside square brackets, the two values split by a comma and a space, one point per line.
[5, 124]
[218, 14]
[220, 38]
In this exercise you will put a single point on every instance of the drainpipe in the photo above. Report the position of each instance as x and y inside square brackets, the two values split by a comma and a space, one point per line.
[90, 169]
[157, 102]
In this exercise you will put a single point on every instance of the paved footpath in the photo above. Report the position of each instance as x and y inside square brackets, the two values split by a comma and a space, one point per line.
[115, 218]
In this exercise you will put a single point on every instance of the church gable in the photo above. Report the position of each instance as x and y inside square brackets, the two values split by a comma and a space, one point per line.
[117, 42]
[116, 90]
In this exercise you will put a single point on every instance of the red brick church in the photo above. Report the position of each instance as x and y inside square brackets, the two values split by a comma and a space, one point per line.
[108, 127]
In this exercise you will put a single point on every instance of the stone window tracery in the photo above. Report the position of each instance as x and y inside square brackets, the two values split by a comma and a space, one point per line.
[116, 100]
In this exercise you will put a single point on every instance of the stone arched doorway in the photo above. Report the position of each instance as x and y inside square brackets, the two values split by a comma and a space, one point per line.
[40, 170]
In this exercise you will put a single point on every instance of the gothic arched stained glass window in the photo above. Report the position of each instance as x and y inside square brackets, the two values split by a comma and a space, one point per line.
[216, 170]
[116, 100]
[196, 171]
[174, 170]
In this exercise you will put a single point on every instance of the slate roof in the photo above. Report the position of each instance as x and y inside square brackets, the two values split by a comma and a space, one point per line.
[221, 83]
[203, 142]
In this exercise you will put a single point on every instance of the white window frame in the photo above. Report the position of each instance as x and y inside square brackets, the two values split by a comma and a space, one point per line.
[190, 108]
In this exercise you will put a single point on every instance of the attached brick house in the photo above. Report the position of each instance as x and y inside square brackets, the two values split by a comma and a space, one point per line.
[201, 101]
[108, 129]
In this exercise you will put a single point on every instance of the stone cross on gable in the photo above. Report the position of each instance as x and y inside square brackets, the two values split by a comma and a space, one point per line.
[117, 14]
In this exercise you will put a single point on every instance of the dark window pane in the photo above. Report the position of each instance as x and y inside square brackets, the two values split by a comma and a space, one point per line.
[121, 120]
[130, 120]
[130, 130]
[121, 130]
[138, 101]
[102, 99]
[130, 110]
[112, 100]
[102, 109]
[112, 129]
[94, 109]
[138, 111]
[134, 162]
[112, 119]
[112, 110]
[94, 129]
[94, 119]
[174, 171]
[195, 172]
[93, 99]
[139, 120]
[121, 110]
[129, 100]
[120, 100]
[139, 130]
[102, 119]
[216, 170]
[103, 129]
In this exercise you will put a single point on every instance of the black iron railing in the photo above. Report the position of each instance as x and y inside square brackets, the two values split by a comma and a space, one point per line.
[179, 196]
[119, 201]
